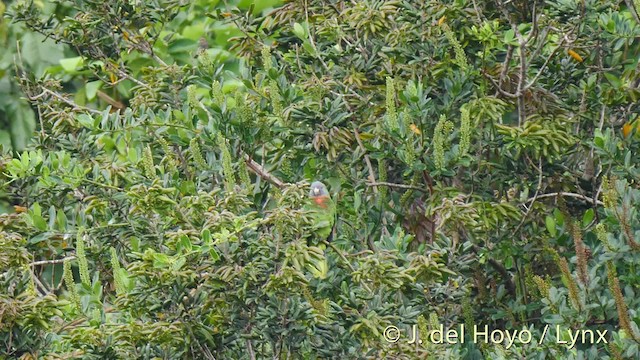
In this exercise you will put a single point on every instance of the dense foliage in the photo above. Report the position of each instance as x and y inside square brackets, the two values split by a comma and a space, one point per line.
[482, 156]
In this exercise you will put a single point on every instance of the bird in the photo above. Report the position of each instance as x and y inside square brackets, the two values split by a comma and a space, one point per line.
[322, 210]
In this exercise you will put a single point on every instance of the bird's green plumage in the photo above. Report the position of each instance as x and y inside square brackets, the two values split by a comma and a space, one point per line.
[322, 209]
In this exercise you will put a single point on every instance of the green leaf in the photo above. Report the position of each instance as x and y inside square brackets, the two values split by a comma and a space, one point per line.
[508, 263]
[510, 38]
[92, 88]
[61, 219]
[214, 254]
[357, 200]
[39, 238]
[39, 52]
[135, 243]
[299, 31]
[39, 222]
[185, 242]
[550, 223]
[160, 260]
[166, 199]
[178, 264]
[71, 64]
[206, 236]
[85, 120]
[614, 80]
[182, 45]
[588, 217]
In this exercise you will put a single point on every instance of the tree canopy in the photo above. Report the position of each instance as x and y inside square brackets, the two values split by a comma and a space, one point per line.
[157, 155]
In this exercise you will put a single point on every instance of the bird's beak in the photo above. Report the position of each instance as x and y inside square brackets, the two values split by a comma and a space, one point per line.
[316, 191]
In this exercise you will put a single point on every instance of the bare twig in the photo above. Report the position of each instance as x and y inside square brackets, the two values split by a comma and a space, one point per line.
[363, 252]
[372, 176]
[399, 186]
[567, 194]
[252, 354]
[546, 62]
[262, 172]
[111, 101]
[50, 262]
[42, 289]
[632, 10]
[252, 164]
[522, 115]
[75, 106]
[346, 261]
[535, 196]
[506, 277]
[505, 66]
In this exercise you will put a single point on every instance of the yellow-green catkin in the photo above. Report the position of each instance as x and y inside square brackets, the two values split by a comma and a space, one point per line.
[423, 326]
[465, 130]
[227, 165]
[147, 163]
[67, 274]
[31, 286]
[194, 147]
[434, 322]
[581, 252]
[481, 281]
[192, 97]
[467, 312]
[574, 294]
[439, 138]
[83, 265]
[276, 99]
[392, 113]
[267, 63]
[245, 115]
[243, 174]
[382, 177]
[216, 93]
[404, 199]
[461, 57]
[115, 267]
[615, 351]
[205, 60]
[543, 287]
[285, 168]
[601, 234]
[623, 314]
[272, 85]
[320, 306]
[169, 158]
[528, 277]
[609, 193]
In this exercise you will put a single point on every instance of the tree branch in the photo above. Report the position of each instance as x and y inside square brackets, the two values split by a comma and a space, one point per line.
[567, 194]
[399, 186]
[372, 176]
[50, 262]
[262, 172]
